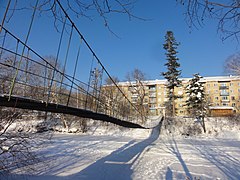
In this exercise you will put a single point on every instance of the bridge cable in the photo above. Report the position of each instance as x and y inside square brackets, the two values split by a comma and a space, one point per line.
[26, 40]
[100, 89]
[3, 43]
[51, 66]
[57, 57]
[34, 74]
[5, 15]
[60, 5]
[89, 82]
[74, 72]
[63, 74]
[26, 73]
[66, 57]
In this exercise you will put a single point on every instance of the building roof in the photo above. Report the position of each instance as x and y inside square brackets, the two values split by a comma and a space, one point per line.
[221, 107]
[204, 79]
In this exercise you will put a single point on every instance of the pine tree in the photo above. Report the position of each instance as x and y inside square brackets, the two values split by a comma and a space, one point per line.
[196, 99]
[172, 74]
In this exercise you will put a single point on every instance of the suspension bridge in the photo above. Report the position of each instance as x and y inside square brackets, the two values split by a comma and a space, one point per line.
[70, 81]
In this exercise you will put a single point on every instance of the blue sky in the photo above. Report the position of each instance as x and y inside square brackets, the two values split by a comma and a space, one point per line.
[141, 42]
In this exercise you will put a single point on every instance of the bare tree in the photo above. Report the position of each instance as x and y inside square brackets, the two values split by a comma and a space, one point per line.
[226, 12]
[138, 90]
[16, 146]
[82, 8]
[113, 99]
[6, 73]
[232, 64]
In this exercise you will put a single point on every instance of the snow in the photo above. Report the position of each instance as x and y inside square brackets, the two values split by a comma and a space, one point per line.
[106, 157]
[140, 154]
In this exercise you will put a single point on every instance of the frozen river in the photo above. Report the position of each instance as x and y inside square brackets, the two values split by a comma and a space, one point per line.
[119, 157]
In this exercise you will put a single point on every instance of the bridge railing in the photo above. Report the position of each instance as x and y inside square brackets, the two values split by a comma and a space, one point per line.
[72, 75]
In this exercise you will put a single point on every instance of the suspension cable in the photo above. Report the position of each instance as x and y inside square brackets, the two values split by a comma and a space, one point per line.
[91, 50]
[3, 43]
[75, 69]
[89, 81]
[5, 15]
[26, 69]
[57, 57]
[26, 40]
[66, 57]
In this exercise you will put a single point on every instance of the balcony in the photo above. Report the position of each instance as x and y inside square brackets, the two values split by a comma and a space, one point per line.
[225, 100]
[152, 102]
[152, 95]
[224, 93]
[152, 90]
[223, 87]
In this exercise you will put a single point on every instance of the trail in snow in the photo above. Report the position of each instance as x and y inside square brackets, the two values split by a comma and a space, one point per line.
[115, 157]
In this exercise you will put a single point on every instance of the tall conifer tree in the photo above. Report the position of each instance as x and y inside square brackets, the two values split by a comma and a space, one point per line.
[172, 74]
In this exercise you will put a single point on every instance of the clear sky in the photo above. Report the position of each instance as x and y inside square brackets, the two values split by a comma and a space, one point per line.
[140, 45]
[141, 42]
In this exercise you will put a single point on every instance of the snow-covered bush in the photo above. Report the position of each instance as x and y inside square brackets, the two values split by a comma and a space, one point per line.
[193, 129]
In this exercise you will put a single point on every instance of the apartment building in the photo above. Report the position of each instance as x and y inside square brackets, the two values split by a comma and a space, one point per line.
[223, 95]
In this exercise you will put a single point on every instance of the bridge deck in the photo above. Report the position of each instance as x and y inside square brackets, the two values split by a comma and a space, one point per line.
[25, 103]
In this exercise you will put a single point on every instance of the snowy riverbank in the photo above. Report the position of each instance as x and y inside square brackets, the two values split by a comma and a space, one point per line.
[74, 156]
[112, 152]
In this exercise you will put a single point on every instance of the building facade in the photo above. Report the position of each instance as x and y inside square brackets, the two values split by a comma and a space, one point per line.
[223, 95]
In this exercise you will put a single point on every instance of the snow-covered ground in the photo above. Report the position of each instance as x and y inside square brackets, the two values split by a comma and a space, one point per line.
[76, 156]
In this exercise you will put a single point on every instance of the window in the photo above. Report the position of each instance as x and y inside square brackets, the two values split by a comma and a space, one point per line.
[152, 88]
[215, 85]
[225, 104]
[231, 84]
[233, 98]
[152, 106]
[224, 98]
[152, 111]
[216, 98]
[224, 92]
[233, 104]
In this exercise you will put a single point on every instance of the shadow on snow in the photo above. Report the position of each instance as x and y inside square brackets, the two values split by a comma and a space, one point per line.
[116, 165]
